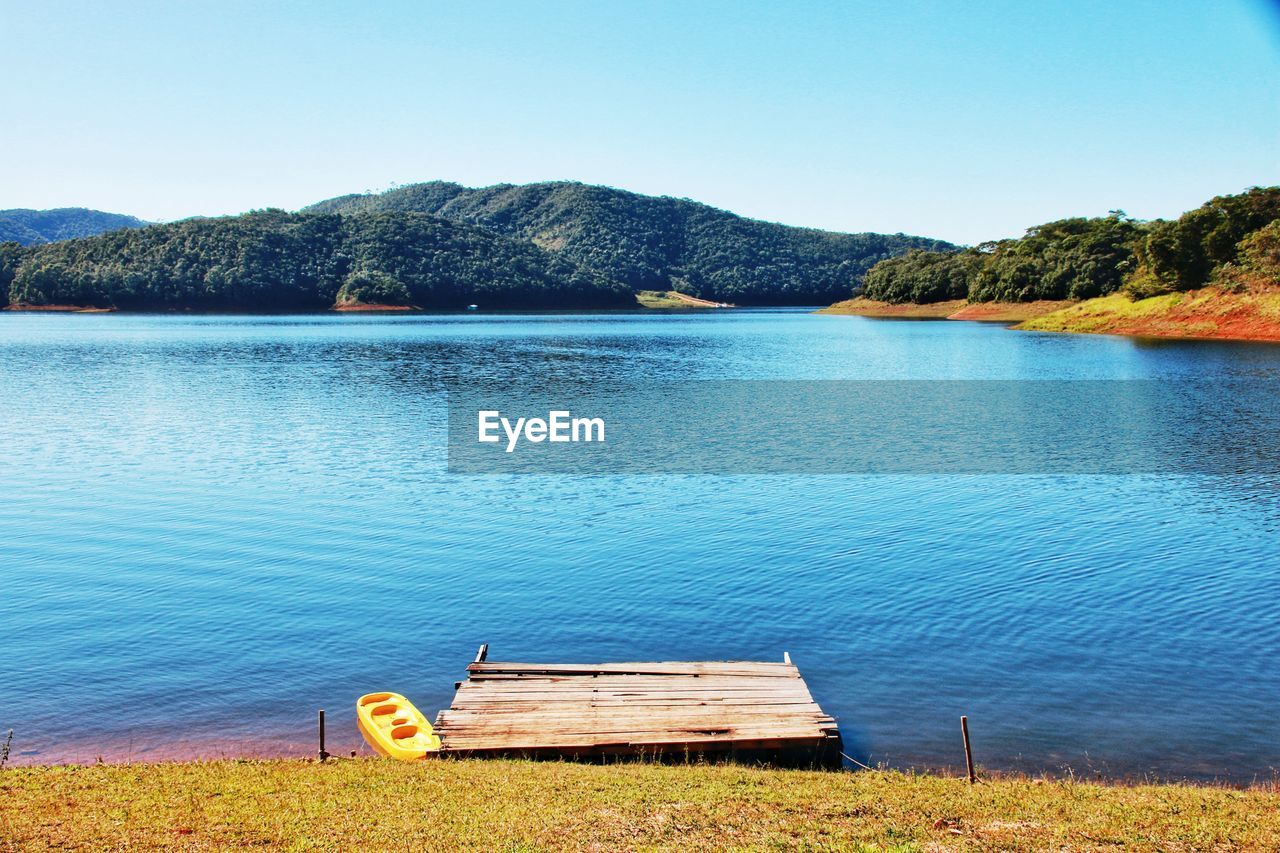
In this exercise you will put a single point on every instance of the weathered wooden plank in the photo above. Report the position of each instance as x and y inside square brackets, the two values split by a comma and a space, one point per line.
[586, 694]
[625, 724]
[635, 666]
[622, 708]
[660, 748]
[615, 698]
[635, 684]
[591, 739]
[587, 690]
[614, 684]
[675, 701]
[498, 680]
[642, 668]
[625, 734]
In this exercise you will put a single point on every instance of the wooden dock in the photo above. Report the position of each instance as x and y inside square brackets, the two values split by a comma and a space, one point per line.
[744, 710]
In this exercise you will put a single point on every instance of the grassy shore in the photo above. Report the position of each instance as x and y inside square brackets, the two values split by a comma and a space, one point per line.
[376, 804]
[954, 309]
[671, 299]
[1207, 313]
[861, 307]
[659, 299]
[1010, 312]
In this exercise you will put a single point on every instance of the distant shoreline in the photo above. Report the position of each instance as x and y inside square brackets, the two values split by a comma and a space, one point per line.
[1209, 314]
[58, 309]
[646, 301]
[22, 308]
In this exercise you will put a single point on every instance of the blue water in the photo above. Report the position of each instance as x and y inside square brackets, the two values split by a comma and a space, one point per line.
[212, 526]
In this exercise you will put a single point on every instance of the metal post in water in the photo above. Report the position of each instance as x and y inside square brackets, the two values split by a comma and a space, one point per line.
[968, 750]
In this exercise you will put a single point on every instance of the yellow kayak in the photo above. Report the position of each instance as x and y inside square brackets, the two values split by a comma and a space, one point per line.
[394, 728]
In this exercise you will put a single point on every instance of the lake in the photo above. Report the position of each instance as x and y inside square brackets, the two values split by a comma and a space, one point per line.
[211, 526]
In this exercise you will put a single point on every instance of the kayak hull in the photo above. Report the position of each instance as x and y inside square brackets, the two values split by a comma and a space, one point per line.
[394, 728]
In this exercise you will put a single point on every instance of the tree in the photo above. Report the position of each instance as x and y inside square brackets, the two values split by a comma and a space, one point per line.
[1257, 263]
[1185, 253]
[370, 287]
[922, 277]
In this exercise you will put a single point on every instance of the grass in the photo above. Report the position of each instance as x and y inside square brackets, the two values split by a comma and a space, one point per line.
[1251, 315]
[517, 805]
[1207, 313]
[1097, 315]
[1009, 312]
[861, 307]
[660, 299]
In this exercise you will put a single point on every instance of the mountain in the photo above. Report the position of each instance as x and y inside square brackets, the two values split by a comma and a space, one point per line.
[656, 243]
[30, 227]
[273, 260]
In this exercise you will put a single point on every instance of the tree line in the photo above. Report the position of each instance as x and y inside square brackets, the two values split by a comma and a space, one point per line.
[273, 260]
[1230, 241]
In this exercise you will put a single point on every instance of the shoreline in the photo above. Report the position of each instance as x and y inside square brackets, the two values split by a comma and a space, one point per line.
[23, 308]
[371, 306]
[646, 301]
[57, 309]
[861, 307]
[952, 309]
[342, 742]
[124, 751]
[1208, 314]
[358, 751]
[674, 300]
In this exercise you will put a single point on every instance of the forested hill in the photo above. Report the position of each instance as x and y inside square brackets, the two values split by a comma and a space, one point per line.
[30, 227]
[651, 243]
[1231, 241]
[272, 260]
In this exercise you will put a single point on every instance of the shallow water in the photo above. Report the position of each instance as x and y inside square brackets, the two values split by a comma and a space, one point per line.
[212, 526]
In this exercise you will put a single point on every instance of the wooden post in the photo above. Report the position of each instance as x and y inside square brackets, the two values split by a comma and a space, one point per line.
[968, 750]
[322, 755]
[482, 654]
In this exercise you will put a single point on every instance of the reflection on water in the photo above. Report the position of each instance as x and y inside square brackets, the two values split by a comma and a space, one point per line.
[212, 526]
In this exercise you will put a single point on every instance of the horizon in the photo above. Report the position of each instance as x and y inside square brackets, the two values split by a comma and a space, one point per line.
[940, 121]
[398, 186]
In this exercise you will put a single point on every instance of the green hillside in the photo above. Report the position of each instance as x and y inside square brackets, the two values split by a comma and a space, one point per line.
[30, 227]
[1230, 241]
[652, 243]
[272, 260]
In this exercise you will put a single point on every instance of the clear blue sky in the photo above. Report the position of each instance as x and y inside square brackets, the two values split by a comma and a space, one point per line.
[961, 120]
